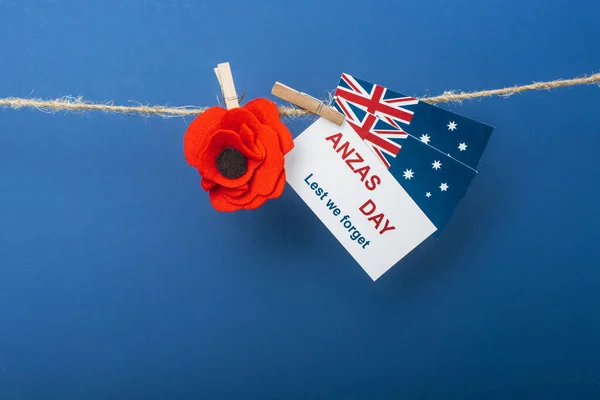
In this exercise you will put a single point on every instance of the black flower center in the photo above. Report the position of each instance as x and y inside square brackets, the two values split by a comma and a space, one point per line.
[231, 163]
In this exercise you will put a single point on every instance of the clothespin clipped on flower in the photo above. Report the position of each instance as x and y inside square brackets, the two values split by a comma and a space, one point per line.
[238, 151]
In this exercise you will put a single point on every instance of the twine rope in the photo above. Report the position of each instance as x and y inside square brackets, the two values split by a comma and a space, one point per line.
[77, 104]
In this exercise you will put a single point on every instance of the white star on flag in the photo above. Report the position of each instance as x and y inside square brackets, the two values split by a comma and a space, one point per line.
[444, 187]
[462, 146]
[436, 164]
[452, 126]
[425, 138]
[408, 174]
[428, 194]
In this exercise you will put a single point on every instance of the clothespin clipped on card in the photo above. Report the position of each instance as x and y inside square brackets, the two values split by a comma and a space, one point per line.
[223, 72]
[307, 102]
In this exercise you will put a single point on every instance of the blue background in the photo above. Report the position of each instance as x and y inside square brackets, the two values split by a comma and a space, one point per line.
[118, 280]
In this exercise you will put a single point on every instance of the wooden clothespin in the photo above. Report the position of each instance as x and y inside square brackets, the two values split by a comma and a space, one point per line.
[223, 72]
[307, 102]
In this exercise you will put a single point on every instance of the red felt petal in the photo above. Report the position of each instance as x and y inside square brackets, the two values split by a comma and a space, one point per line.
[260, 200]
[220, 197]
[199, 132]
[244, 198]
[207, 167]
[220, 202]
[251, 148]
[237, 192]
[285, 139]
[266, 112]
[235, 118]
[265, 177]
[278, 191]
[207, 184]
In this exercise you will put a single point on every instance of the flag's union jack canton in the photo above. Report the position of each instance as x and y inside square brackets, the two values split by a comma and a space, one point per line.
[361, 102]
[377, 134]
[433, 153]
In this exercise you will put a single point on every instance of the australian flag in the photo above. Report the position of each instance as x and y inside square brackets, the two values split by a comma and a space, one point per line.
[433, 153]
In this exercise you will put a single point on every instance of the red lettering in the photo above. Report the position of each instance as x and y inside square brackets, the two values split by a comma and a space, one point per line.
[358, 159]
[363, 171]
[363, 208]
[387, 227]
[346, 151]
[377, 219]
[372, 184]
[335, 139]
[353, 161]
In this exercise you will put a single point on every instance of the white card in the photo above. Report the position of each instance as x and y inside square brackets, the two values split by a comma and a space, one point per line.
[355, 196]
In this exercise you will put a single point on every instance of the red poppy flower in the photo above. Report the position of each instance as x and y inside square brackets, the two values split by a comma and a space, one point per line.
[240, 154]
